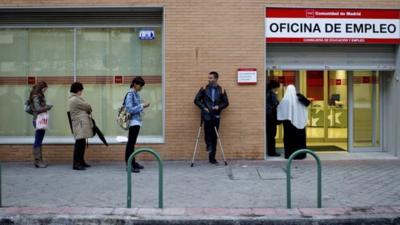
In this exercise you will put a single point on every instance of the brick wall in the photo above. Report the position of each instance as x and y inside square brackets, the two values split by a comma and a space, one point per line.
[200, 36]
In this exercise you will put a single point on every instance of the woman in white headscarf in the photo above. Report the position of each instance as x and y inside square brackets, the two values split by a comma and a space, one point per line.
[293, 113]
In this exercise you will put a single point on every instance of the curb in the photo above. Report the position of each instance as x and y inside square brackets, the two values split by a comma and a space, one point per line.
[220, 216]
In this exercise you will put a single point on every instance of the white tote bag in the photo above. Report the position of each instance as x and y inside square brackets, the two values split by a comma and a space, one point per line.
[42, 121]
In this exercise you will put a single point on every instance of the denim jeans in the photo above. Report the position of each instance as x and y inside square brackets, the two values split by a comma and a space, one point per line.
[39, 135]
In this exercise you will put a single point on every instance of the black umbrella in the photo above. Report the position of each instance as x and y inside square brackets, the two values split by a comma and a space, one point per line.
[70, 121]
[97, 131]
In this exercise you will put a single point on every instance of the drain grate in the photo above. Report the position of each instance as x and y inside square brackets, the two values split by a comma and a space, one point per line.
[258, 173]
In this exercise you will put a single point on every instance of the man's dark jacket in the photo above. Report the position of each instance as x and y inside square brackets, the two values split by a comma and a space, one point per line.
[203, 100]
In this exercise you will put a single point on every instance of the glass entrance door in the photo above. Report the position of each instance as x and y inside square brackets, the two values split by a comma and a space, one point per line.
[327, 115]
[327, 128]
[345, 109]
[344, 114]
[365, 111]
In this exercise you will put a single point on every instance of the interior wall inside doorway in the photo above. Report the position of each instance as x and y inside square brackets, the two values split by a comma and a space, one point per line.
[390, 98]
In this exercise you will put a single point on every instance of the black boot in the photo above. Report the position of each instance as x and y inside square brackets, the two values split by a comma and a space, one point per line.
[38, 158]
[211, 158]
[82, 156]
[134, 168]
[137, 165]
[85, 164]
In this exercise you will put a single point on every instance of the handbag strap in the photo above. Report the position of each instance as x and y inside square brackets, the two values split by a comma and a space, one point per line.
[123, 103]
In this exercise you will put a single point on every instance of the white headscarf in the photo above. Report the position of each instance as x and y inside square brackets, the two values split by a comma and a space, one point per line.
[291, 109]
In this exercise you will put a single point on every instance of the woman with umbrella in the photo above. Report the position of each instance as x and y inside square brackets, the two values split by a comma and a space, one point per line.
[82, 124]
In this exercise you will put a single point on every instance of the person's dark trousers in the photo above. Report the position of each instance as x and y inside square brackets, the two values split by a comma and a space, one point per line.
[79, 152]
[39, 135]
[130, 145]
[271, 133]
[211, 137]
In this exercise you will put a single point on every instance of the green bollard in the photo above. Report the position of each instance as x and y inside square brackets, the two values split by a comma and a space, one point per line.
[160, 175]
[288, 181]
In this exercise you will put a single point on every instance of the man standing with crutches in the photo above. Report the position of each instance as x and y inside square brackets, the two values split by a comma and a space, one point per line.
[211, 100]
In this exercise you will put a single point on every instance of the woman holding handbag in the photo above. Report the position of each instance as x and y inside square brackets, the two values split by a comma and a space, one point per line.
[82, 124]
[38, 104]
[135, 108]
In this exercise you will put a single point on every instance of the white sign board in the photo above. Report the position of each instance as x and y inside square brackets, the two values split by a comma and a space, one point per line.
[366, 26]
[247, 76]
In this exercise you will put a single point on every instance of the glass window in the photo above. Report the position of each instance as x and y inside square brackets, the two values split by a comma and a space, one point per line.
[109, 52]
[14, 52]
[46, 54]
[51, 52]
[101, 53]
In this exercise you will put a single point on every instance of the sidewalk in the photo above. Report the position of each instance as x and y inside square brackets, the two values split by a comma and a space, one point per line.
[254, 184]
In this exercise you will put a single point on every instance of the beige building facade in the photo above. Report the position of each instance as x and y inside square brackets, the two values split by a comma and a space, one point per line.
[192, 39]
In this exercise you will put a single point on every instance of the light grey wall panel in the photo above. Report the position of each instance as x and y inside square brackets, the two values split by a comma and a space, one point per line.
[320, 57]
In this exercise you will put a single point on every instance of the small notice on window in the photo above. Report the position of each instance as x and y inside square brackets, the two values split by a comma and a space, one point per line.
[247, 76]
[118, 79]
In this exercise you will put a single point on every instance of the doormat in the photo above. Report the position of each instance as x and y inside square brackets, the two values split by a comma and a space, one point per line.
[326, 148]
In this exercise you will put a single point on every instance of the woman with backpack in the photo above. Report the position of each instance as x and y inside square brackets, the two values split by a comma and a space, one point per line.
[135, 108]
[38, 105]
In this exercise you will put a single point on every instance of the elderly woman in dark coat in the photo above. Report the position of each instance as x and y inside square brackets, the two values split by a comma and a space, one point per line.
[82, 125]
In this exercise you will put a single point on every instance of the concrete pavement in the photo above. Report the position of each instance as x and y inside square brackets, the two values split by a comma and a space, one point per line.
[254, 184]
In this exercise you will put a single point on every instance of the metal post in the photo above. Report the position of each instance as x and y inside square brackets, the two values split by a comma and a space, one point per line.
[220, 145]
[288, 181]
[160, 175]
[196, 144]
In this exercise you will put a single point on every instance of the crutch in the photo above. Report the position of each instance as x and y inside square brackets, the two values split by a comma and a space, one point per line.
[197, 142]
[220, 145]
[228, 168]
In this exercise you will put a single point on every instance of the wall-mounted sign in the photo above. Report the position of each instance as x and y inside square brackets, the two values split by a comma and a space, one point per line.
[118, 79]
[247, 76]
[147, 35]
[342, 26]
[31, 80]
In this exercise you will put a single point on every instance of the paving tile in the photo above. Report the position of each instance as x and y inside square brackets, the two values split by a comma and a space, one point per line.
[173, 212]
[149, 211]
[264, 211]
[194, 211]
[216, 211]
[240, 212]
